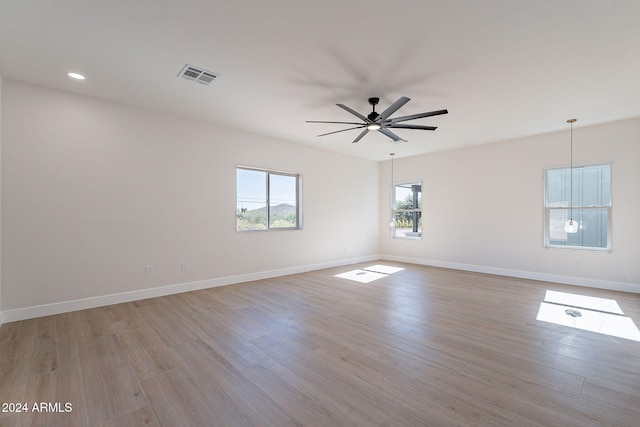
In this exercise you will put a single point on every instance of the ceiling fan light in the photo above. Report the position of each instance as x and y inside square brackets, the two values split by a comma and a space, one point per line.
[571, 226]
[76, 76]
[373, 126]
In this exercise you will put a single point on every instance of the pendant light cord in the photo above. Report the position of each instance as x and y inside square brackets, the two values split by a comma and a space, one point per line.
[571, 122]
[392, 154]
[393, 208]
[571, 226]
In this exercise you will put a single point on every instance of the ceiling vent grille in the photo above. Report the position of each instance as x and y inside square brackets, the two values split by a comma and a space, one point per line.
[197, 75]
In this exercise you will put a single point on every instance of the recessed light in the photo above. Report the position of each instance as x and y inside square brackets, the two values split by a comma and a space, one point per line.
[76, 76]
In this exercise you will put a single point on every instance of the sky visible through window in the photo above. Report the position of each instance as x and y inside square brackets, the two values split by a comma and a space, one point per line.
[254, 189]
[282, 190]
[404, 193]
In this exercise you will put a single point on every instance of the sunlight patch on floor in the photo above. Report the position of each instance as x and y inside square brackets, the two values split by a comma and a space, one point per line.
[599, 315]
[369, 274]
[576, 300]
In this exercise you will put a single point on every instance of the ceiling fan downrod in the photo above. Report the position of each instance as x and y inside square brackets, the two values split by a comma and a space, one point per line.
[373, 115]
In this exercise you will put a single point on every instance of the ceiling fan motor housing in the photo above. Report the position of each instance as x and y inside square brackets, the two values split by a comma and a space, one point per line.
[373, 115]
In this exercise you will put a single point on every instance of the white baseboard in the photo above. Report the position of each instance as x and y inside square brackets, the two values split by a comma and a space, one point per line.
[103, 300]
[532, 275]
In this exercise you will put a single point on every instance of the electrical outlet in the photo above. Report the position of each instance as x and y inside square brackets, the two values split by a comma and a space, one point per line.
[185, 265]
[148, 270]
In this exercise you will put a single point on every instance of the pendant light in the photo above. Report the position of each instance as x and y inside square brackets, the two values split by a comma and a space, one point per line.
[571, 226]
[392, 223]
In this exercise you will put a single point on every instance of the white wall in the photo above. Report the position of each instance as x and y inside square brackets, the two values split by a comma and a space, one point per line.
[483, 207]
[94, 191]
[1, 321]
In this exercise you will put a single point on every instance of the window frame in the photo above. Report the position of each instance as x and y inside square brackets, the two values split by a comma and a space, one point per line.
[268, 173]
[395, 211]
[548, 209]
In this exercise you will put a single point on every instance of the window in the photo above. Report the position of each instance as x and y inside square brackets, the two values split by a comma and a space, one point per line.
[407, 210]
[590, 207]
[267, 200]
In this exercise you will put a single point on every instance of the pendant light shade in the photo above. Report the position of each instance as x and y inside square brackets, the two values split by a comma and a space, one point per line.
[571, 226]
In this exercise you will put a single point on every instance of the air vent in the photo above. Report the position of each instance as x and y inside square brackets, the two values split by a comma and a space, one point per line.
[197, 75]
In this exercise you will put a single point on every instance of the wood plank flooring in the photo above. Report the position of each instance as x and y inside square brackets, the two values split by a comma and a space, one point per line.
[420, 347]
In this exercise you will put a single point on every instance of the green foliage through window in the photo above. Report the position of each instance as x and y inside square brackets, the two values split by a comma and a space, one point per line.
[407, 210]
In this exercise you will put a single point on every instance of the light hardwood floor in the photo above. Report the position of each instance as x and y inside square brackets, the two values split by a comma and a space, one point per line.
[423, 346]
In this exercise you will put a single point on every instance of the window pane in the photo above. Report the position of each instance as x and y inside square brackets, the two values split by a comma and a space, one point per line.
[591, 186]
[592, 227]
[595, 186]
[408, 224]
[282, 201]
[557, 182]
[251, 201]
[408, 196]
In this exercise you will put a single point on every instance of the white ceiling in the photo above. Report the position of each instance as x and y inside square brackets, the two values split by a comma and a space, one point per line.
[503, 68]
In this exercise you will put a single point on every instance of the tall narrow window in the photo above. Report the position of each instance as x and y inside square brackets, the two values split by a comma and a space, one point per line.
[267, 200]
[590, 207]
[407, 210]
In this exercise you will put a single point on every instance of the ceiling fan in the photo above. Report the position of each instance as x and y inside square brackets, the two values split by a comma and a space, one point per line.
[382, 121]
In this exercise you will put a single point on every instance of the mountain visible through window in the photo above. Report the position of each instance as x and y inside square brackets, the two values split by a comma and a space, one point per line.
[266, 200]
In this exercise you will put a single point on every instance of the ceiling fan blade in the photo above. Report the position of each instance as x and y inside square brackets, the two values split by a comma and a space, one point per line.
[392, 108]
[339, 123]
[401, 126]
[355, 113]
[342, 130]
[416, 116]
[364, 132]
[391, 135]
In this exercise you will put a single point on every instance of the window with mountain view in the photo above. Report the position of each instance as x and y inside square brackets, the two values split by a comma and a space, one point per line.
[266, 200]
